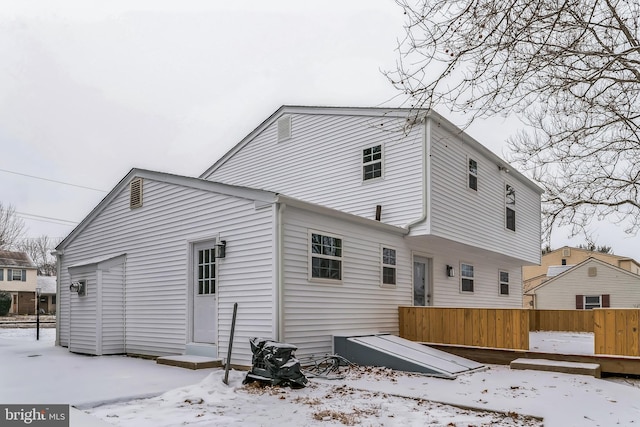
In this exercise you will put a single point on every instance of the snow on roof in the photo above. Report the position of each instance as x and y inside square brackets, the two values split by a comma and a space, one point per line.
[47, 284]
[555, 270]
[15, 259]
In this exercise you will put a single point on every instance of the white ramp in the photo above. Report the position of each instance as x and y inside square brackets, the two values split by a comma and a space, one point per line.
[398, 353]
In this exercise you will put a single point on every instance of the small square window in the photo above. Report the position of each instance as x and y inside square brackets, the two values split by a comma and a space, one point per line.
[372, 162]
[592, 301]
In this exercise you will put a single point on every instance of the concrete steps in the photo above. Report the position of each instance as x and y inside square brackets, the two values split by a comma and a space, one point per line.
[566, 367]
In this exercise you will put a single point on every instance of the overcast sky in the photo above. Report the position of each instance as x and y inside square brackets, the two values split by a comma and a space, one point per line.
[89, 90]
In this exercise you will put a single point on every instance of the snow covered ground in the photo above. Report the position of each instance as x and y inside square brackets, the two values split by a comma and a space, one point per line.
[367, 396]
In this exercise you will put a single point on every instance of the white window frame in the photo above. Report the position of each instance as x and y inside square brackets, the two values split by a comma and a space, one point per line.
[312, 255]
[509, 206]
[372, 162]
[11, 275]
[503, 282]
[463, 277]
[470, 173]
[590, 306]
[387, 265]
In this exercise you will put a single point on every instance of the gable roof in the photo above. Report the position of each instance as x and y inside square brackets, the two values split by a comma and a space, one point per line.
[185, 181]
[412, 114]
[15, 259]
[589, 260]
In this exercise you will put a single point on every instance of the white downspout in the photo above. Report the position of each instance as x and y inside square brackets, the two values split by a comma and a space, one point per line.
[279, 233]
[426, 164]
[58, 256]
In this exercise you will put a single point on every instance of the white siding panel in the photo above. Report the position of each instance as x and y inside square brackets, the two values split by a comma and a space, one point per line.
[477, 218]
[156, 240]
[623, 288]
[113, 320]
[83, 313]
[314, 311]
[322, 163]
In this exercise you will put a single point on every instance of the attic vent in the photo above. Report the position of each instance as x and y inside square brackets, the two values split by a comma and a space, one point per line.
[284, 128]
[566, 252]
[592, 271]
[135, 193]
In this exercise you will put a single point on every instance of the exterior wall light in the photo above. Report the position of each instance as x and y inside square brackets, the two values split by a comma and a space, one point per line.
[79, 286]
[221, 249]
[451, 272]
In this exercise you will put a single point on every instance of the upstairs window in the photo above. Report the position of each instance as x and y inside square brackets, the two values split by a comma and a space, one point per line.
[326, 257]
[510, 202]
[388, 266]
[504, 283]
[466, 278]
[592, 301]
[372, 162]
[16, 275]
[473, 174]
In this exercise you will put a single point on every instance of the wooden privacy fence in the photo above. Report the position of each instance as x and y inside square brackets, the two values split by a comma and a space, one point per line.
[616, 331]
[480, 327]
[561, 320]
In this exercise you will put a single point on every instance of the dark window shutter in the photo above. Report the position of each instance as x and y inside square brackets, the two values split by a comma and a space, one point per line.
[606, 301]
[579, 302]
[9, 274]
[24, 275]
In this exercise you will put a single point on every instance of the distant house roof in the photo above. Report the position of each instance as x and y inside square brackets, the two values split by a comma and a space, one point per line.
[554, 270]
[15, 259]
[47, 284]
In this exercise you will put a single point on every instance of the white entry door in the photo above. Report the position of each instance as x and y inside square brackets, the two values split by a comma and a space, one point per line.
[422, 287]
[204, 293]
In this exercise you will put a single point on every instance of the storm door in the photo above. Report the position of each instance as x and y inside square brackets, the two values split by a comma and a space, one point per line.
[422, 287]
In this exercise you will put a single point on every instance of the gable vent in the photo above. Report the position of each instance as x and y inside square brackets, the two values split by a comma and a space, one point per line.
[566, 252]
[284, 128]
[135, 193]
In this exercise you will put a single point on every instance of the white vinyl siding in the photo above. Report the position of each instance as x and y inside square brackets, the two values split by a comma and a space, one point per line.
[83, 310]
[477, 218]
[312, 312]
[322, 163]
[156, 241]
[560, 293]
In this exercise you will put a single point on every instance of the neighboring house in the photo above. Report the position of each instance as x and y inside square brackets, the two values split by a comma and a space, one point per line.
[321, 221]
[18, 277]
[47, 285]
[593, 283]
[559, 260]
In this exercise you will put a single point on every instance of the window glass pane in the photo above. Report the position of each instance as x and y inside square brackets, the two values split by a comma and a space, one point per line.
[473, 182]
[466, 270]
[592, 300]
[389, 275]
[16, 274]
[511, 219]
[504, 276]
[510, 195]
[467, 285]
[504, 289]
[389, 256]
[473, 167]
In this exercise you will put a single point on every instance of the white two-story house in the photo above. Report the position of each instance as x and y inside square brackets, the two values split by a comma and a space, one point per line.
[320, 222]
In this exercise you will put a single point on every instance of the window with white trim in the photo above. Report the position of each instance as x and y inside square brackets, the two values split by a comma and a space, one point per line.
[592, 301]
[473, 175]
[510, 207]
[388, 266]
[326, 256]
[504, 282]
[372, 162]
[466, 277]
[16, 275]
